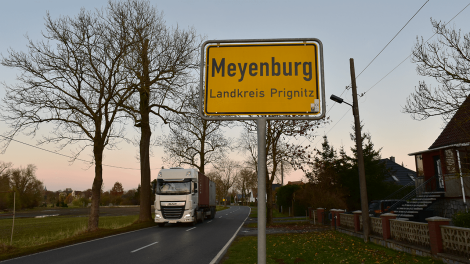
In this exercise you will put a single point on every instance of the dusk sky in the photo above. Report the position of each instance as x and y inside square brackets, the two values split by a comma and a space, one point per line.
[347, 29]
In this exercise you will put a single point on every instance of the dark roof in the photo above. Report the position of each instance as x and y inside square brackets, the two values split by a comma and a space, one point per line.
[457, 130]
[401, 173]
[295, 183]
[274, 186]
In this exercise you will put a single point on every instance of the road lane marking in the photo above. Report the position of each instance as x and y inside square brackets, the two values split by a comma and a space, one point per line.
[220, 216]
[209, 221]
[190, 229]
[229, 242]
[55, 249]
[143, 247]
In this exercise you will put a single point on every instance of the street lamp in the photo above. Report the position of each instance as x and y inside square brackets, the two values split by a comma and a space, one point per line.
[338, 99]
[360, 157]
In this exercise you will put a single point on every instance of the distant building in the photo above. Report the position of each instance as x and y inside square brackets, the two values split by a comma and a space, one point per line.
[253, 195]
[399, 174]
[78, 194]
[295, 183]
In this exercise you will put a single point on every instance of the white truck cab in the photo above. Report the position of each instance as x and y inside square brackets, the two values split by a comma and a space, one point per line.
[183, 196]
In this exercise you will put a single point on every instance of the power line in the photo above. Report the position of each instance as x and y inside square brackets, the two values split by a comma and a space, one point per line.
[411, 53]
[392, 39]
[67, 156]
[380, 53]
[389, 71]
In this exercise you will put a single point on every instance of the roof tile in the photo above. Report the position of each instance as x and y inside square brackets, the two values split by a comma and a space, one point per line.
[457, 130]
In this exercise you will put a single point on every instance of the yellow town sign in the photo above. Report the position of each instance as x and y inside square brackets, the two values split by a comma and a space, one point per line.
[262, 79]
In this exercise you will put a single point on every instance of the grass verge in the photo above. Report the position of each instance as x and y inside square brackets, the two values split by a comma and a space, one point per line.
[36, 231]
[276, 213]
[317, 247]
[220, 208]
[280, 224]
[33, 235]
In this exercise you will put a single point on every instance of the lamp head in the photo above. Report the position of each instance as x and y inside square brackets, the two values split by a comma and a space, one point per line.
[337, 99]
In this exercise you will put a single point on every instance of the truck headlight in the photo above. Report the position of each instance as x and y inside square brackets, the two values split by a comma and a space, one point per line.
[158, 216]
[188, 215]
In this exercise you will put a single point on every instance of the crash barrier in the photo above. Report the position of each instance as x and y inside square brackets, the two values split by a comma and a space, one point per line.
[436, 238]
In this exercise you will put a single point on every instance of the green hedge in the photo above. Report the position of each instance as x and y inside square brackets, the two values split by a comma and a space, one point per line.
[461, 219]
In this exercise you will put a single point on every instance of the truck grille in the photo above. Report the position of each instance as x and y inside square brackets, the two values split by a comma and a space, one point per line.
[172, 212]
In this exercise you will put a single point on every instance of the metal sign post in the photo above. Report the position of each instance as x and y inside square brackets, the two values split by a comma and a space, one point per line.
[261, 190]
[262, 79]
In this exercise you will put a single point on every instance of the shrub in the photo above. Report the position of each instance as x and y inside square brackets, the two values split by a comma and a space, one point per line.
[461, 219]
[61, 204]
[77, 203]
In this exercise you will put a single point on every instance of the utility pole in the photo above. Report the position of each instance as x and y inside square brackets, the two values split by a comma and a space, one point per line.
[360, 157]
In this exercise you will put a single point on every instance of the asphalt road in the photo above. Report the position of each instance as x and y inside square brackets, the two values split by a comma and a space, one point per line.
[174, 243]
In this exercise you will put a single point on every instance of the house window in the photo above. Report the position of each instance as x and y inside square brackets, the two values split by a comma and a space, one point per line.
[411, 176]
[419, 165]
[449, 160]
[395, 178]
[464, 153]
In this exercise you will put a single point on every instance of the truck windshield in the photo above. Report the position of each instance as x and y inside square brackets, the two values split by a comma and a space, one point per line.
[173, 187]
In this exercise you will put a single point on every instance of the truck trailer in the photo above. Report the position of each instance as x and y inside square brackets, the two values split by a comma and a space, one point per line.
[183, 196]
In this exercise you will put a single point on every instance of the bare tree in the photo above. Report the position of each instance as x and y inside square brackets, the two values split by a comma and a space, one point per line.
[228, 171]
[447, 60]
[247, 179]
[161, 62]
[4, 184]
[28, 188]
[279, 150]
[192, 140]
[216, 177]
[4, 167]
[248, 143]
[75, 81]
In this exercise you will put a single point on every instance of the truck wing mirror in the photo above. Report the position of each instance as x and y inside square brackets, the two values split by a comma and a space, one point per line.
[154, 187]
[195, 187]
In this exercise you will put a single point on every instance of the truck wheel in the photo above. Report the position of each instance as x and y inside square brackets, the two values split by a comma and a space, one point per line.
[161, 224]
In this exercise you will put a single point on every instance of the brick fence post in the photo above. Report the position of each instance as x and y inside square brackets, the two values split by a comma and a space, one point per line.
[333, 220]
[338, 218]
[357, 223]
[320, 214]
[386, 224]
[435, 236]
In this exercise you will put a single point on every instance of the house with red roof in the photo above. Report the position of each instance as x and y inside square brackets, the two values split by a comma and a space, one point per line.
[445, 165]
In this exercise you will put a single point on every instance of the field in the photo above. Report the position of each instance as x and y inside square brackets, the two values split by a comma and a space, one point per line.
[36, 231]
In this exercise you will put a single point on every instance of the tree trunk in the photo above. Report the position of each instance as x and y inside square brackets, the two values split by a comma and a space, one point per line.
[145, 207]
[93, 219]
